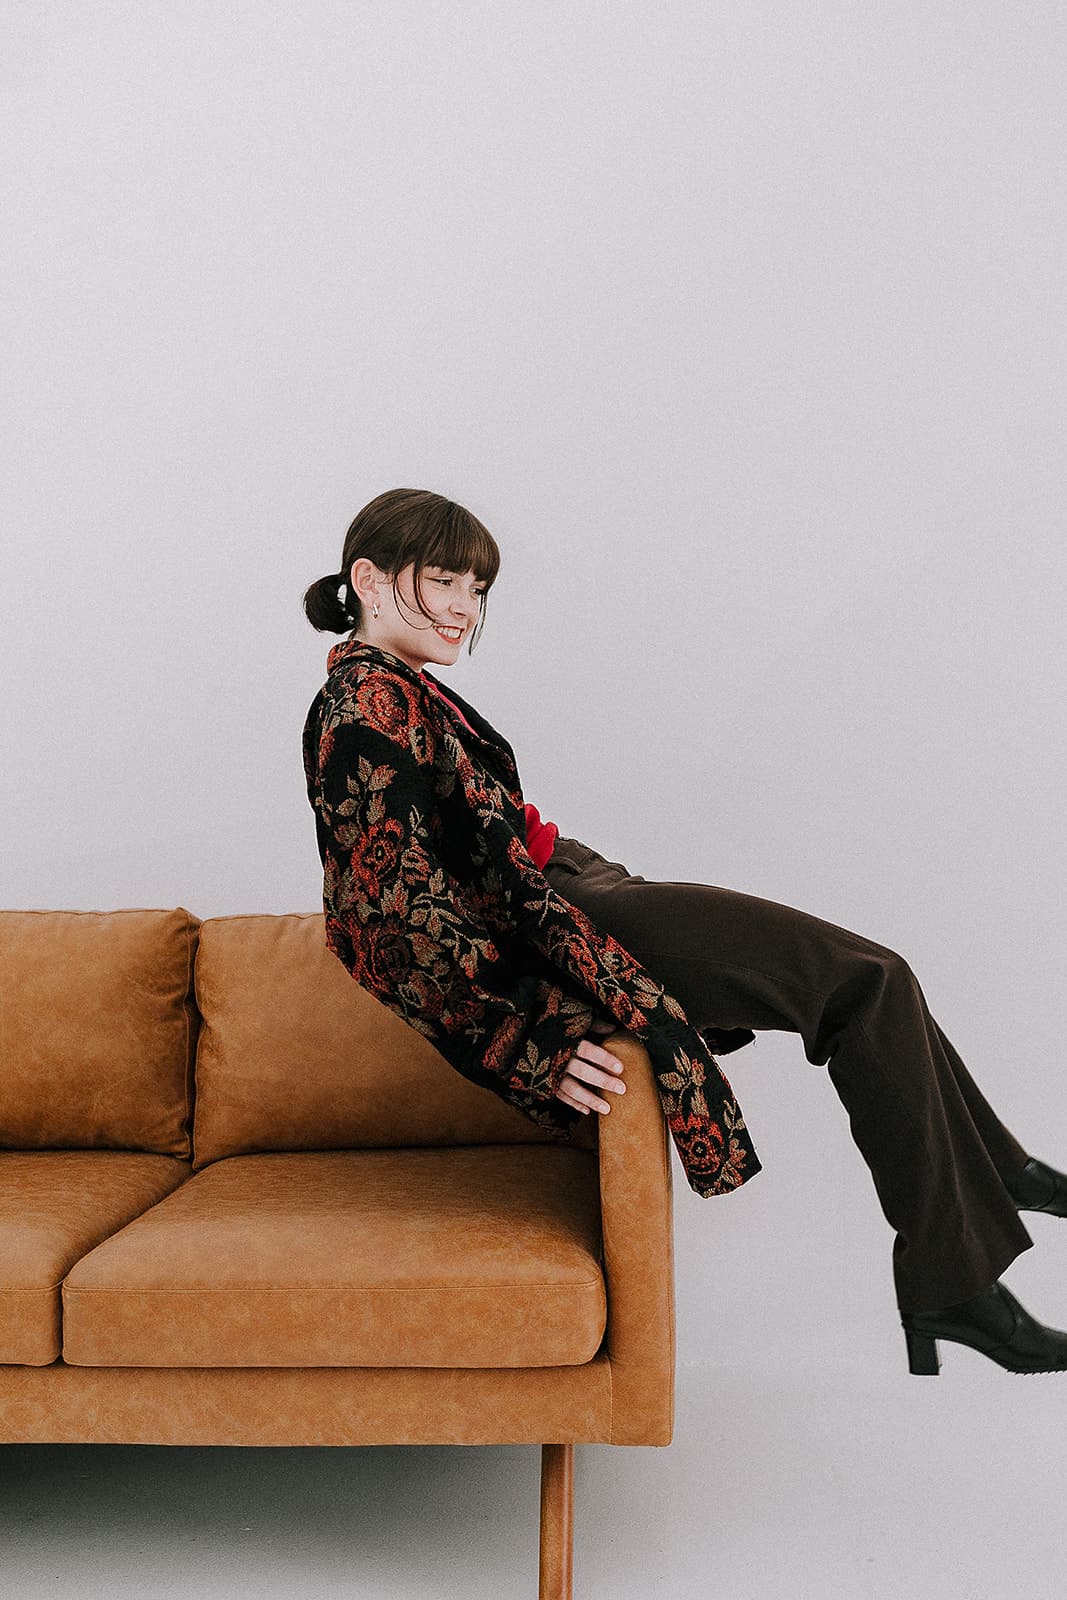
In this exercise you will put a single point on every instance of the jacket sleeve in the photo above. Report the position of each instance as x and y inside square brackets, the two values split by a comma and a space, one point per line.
[414, 931]
[700, 1107]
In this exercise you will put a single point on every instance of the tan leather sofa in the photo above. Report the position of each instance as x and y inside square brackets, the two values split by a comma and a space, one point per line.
[242, 1203]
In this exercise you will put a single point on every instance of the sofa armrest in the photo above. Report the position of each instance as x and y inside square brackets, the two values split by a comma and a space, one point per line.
[637, 1217]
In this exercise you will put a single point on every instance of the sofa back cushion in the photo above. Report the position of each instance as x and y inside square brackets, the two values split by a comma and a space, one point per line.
[97, 1030]
[294, 1055]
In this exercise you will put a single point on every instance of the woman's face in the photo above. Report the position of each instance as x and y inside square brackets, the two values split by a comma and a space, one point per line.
[453, 599]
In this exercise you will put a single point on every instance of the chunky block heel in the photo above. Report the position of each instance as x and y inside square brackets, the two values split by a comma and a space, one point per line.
[923, 1358]
[993, 1323]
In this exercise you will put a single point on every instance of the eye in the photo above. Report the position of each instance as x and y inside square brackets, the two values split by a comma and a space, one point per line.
[449, 580]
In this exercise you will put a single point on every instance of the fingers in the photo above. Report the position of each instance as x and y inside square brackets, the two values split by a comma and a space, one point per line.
[583, 1099]
[573, 1091]
[586, 1054]
[574, 1095]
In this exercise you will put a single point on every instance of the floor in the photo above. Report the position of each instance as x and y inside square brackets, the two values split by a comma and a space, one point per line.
[852, 1480]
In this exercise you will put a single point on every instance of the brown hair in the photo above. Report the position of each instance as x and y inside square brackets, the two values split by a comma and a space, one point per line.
[398, 527]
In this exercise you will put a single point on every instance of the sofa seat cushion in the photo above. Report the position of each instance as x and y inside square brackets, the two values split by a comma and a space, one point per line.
[54, 1206]
[464, 1256]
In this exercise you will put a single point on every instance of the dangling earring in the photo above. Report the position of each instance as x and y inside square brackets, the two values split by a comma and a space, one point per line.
[374, 611]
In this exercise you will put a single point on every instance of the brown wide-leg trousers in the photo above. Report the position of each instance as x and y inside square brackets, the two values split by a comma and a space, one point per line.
[939, 1155]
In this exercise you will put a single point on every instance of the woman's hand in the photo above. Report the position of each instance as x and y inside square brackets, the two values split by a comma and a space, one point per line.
[591, 1063]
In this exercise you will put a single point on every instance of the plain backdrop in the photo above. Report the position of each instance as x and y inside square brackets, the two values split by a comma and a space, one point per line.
[742, 328]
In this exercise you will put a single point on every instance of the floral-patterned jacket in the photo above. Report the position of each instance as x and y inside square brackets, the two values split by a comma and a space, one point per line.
[433, 904]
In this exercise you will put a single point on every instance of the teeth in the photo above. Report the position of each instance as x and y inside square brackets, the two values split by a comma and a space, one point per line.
[450, 633]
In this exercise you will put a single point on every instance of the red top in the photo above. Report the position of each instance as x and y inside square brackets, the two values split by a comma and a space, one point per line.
[540, 836]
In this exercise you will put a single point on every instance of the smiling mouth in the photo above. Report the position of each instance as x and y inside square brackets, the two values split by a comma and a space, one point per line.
[452, 637]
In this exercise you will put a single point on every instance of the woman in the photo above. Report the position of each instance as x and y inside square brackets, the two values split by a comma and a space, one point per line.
[514, 948]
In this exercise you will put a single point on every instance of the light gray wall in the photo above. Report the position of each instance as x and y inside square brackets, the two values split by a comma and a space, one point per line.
[742, 329]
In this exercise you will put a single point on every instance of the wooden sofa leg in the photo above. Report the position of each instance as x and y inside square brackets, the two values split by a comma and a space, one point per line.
[557, 1521]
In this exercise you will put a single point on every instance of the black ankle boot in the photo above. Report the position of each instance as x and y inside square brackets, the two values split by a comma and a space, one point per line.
[994, 1323]
[1040, 1188]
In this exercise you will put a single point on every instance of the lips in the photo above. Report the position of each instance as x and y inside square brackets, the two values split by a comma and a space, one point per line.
[450, 638]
